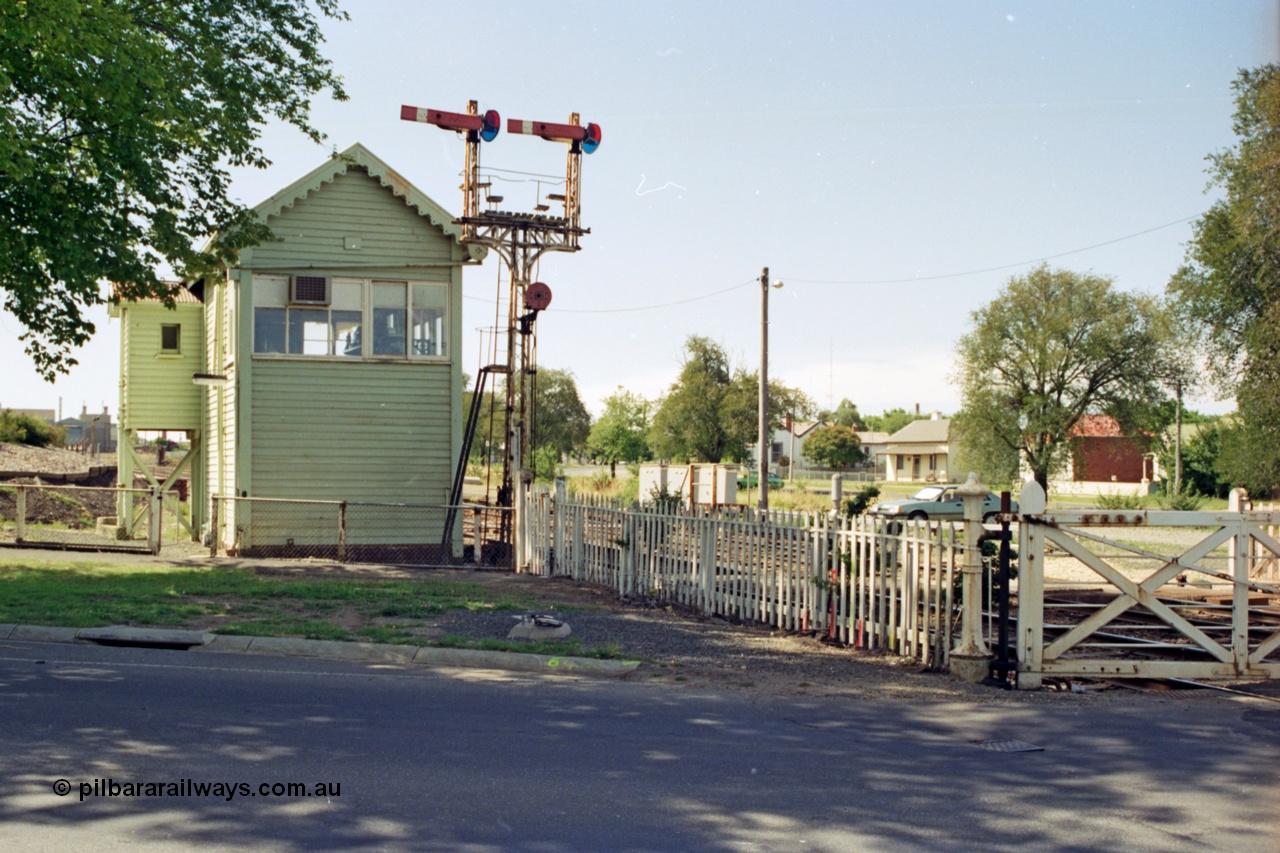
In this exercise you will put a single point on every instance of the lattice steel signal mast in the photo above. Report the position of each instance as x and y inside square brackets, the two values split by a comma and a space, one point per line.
[520, 239]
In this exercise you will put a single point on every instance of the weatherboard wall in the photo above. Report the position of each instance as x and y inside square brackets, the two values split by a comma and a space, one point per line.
[358, 432]
[381, 430]
[351, 223]
[156, 388]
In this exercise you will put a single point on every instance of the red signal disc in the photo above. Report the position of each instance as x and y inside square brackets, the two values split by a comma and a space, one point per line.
[537, 296]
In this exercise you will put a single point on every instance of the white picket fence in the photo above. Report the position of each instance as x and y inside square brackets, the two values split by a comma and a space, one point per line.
[860, 581]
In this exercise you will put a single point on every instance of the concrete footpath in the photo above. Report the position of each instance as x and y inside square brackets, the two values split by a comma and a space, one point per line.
[204, 641]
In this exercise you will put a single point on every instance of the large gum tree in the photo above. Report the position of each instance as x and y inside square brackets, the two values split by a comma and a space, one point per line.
[1053, 346]
[118, 120]
[1229, 286]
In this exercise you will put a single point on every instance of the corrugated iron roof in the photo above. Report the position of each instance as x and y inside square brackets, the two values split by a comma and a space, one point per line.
[927, 430]
[181, 295]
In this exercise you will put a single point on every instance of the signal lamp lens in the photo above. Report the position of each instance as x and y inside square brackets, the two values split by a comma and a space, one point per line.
[592, 139]
[492, 124]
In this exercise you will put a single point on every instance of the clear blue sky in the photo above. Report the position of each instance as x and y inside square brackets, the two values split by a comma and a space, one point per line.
[887, 147]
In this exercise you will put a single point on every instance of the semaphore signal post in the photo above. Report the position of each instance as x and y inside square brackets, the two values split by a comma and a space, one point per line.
[520, 239]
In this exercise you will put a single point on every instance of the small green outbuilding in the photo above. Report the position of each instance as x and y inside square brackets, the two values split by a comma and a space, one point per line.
[324, 365]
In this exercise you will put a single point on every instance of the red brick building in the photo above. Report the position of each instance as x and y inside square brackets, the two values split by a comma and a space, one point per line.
[1102, 453]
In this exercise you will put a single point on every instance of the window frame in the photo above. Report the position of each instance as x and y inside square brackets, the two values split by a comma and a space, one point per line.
[176, 349]
[441, 300]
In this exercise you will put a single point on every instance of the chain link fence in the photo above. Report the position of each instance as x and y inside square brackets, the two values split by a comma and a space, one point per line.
[349, 532]
[40, 515]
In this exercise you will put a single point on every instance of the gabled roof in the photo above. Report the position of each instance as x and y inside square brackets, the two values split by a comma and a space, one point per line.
[802, 428]
[873, 437]
[926, 430]
[358, 155]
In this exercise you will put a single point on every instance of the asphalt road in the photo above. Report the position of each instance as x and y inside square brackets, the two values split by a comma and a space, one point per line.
[484, 761]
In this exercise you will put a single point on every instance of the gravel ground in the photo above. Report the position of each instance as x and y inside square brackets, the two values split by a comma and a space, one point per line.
[18, 460]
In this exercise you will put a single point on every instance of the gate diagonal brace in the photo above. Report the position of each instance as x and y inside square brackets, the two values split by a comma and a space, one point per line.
[1135, 593]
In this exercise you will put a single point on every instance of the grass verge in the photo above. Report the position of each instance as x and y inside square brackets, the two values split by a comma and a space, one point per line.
[83, 594]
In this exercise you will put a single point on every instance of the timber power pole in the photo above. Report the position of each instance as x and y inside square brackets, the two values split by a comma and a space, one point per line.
[764, 389]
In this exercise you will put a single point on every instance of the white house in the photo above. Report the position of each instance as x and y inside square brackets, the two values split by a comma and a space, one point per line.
[787, 443]
[920, 452]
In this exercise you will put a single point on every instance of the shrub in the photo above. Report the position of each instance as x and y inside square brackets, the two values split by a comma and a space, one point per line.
[1114, 502]
[860, 501]
[16, 428]
[1188, 501]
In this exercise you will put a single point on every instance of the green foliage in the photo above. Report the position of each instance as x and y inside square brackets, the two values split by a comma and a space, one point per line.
[620, 433]
[891, 421]
[662, 500]
[1184, 501]
[1053, 346]
[1229, 286]
[846, 415]
[1202, 451]
[834, 447]
[546, 464]
[561, 421]
[120, 121]
[982, 450]
[861, 500]
[16, 428]
[1120, 502]
[710, 413]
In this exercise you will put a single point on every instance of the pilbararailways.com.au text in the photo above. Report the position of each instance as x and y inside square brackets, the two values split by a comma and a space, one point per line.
[191, 788]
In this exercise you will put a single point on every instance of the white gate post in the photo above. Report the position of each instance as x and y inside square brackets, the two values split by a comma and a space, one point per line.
[971, 659]
[1238, 566]
[560, 528]
[1031, 502]
[519, 507]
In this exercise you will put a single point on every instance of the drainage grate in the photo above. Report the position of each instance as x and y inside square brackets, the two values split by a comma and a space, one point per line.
[1009, 746]
[152, 638]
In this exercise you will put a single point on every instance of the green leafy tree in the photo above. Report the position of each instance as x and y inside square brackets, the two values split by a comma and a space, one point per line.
[562, 422]
[1230, 284]
[620, 433]
[891, 421]
[119, 120]
[834, 447]
[845, 414]
[710, 413]
[1053, 346]
[1202, 459]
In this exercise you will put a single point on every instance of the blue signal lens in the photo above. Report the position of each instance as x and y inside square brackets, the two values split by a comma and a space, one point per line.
[492, 124]
[592, 140]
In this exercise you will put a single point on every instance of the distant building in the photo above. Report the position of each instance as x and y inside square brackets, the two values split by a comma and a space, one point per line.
[94, 431]
[49, 416]
[919, 452]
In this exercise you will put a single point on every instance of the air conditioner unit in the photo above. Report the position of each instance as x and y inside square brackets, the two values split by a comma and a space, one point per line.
[309, 290]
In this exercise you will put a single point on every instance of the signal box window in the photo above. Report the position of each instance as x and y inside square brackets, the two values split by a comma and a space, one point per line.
[171, 339]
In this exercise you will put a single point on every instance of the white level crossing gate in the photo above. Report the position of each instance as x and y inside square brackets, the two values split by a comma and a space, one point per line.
[1189, 604]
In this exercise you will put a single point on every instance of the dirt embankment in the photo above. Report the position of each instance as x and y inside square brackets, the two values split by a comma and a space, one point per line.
[76, 507]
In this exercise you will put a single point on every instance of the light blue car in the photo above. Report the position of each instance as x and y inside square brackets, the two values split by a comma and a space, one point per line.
[937, 503]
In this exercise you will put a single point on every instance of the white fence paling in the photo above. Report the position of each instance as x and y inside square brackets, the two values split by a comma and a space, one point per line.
[860, 581]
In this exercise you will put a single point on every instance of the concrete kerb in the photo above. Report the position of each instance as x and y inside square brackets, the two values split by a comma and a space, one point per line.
[340, 650]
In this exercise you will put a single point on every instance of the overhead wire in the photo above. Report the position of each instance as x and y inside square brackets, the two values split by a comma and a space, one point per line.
[941, 277]
[987, 269]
